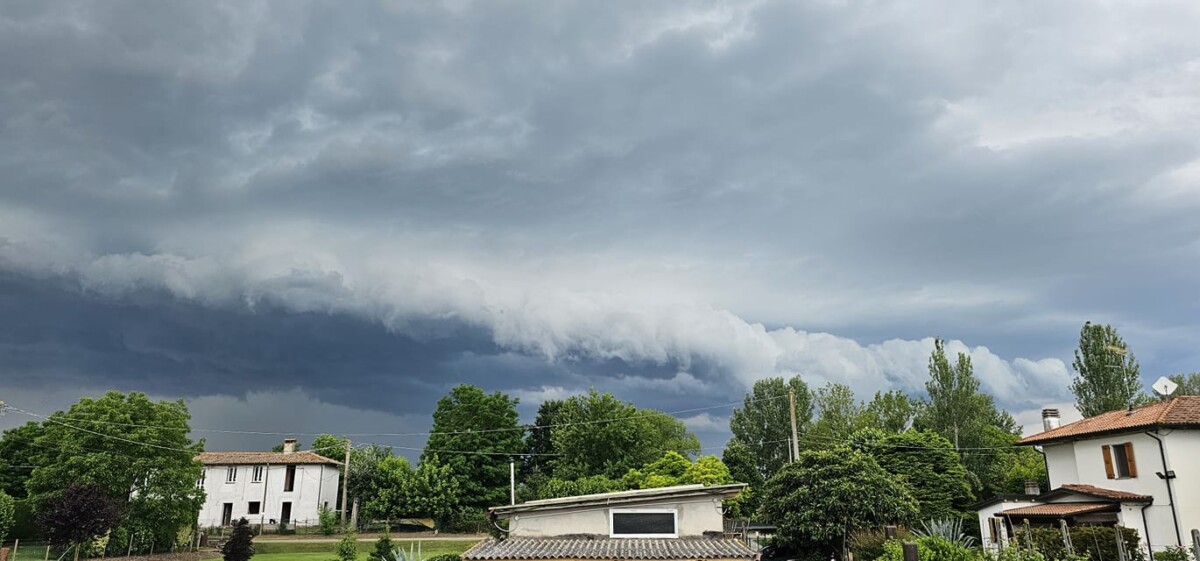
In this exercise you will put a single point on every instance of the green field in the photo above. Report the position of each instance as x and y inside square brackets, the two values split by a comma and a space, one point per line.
[323, 551]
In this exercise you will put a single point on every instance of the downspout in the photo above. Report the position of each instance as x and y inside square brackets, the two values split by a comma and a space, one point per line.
[262, 510]
[1146, 528]
[1166, 475]
[1045, 462]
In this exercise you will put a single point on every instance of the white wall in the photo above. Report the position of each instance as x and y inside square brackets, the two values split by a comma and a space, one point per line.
[1183, 457]
[695, 516]
[991, 510]
[315, 485]
[1060, 461]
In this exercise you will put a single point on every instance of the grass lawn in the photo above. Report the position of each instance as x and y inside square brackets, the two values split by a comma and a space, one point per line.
[309, 551]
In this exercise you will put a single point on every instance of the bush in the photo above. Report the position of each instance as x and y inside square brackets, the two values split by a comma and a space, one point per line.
[1095, 542]
[8, 515]
[240, 546]
[327, 521]
[347, 547]
[383, 549]
[445, 557]
[867, 545]
[930, 548]
[1173, 553]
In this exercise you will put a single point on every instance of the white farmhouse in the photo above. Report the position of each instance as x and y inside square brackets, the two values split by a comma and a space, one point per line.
[267, 487]
[1131, 467]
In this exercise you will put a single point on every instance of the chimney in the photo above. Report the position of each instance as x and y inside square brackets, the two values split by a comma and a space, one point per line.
[289, 446]
[1032, 487]
[1050, 419]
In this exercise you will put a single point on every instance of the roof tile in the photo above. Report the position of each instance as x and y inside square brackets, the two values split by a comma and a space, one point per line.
[1180, 411]
[246, 458]
[608, 549]
[1059, 509]
[1105, 493]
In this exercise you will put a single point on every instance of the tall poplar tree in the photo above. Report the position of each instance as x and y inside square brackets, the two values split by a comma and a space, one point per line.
[763, 423]
[1108, 374]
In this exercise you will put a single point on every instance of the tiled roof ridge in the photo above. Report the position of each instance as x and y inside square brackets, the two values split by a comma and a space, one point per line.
[1103, 492]
[228, 457]
[1183, 410]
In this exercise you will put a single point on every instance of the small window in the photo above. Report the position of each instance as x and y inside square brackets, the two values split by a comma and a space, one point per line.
[1119, 462]
[255, 507]
[200, 482]
[231, 474]
[289, 479]
[257, 474]
[643, 523]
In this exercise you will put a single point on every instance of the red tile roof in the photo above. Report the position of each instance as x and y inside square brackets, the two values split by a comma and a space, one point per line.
[246, 458]
[1059, 509]
[1181, 411]
[1106, 493]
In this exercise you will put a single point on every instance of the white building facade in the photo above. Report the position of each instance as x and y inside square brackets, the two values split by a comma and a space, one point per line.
[1134, 468]
[267, 488]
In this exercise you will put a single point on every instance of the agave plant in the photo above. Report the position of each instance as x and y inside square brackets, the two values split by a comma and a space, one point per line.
[946, 528]
[398, 554]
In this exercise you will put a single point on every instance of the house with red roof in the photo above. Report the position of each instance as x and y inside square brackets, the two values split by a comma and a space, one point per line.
[1135, 467]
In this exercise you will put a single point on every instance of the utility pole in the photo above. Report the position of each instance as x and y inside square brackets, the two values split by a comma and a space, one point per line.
[795, 434]
[512, 482]
[345, 484]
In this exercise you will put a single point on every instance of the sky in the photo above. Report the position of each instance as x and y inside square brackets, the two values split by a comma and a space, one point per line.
[310, 217]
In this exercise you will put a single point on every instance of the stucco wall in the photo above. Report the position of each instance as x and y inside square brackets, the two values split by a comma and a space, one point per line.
[991, 510]
[1183, 457]
[315, 485]
[1060, 460]
[695, 516]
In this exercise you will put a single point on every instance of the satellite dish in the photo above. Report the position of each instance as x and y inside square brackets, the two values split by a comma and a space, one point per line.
[1164, 387]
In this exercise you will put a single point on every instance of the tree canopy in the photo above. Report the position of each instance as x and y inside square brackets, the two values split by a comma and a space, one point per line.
[1189, 384]
[763, 423]
[77, 513]
[17, 449]
[817, 500]
[927, 462]
[890, 411]
[1108, 376]
[136, 451]
[468, 419]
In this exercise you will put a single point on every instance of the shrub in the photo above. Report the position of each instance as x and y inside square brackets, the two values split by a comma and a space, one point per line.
[8, 514]
[1095, 542]
[445, 557]
[1173, 553]
[930, 548]
[384, 549]
[949, 529]
[867, 545]
[347, 547]
[240, 546]
[327, 521]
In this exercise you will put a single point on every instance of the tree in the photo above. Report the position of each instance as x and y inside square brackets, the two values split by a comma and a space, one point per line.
[17, 452]
[433, 492]
[539, 448]
[816, 501]
[136, 450]
[80, 512]
[329, 446]
[965, 416]
[384, 548]
[347, 547]
[890, 411]
[1189, 384]
[467, 419]
[707, 470]
[1018, 465]
[663, 472]
[389, 495]
[839, 416]
[763, 423]
[240, 546]
[927, 462]
[743, 468]
[368, 476]
[599, 434]
[8, 513]
[327, 520]
[1108, 374]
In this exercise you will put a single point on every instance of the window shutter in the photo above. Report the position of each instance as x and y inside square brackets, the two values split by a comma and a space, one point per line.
[1129, 459]
[1108, 464]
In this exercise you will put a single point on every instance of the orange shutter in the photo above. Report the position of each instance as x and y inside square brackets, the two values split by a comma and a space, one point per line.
[1129, 459]
[1108, 465]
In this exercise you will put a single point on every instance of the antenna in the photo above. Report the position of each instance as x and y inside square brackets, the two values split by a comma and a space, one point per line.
[1164, 387]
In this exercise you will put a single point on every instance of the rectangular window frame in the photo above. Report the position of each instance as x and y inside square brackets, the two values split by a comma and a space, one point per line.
[231, 474]
[254, 507]
[1119, 461]
[674, 512]
[289, 479]
[200, 482]
[257, 474]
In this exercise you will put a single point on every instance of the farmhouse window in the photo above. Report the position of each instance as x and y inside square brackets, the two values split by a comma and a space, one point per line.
[289, 479]
[257, 474]
[200, 482]
[231, 474]
[254, 507]
[643, 523]
[1119, 462]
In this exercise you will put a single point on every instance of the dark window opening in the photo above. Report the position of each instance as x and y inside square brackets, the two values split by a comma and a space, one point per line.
[643, 523]
[255, 507]
[289, 480]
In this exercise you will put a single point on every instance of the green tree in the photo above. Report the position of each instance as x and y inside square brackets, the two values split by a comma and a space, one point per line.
[467, 419]
[329, 446]
[707, 470]
[816, 501]
[1108, 374]
[368, 477]
[602, 435]
[1189, 384]
[555, 488]
[17, 453]
[240, 546]
[839, 416]
[8, 514]
[743, 468]
[347, 548]
[327, 520]
[890, 411]
[384, 548]
[965, 416]
[539, 447]
[763, 423]
[136, 450]
[1018, 465]
[433, 492]
[927, 462]
[388, 497]
[663, 472]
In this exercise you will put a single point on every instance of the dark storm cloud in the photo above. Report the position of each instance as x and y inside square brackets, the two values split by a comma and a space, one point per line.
[652, 199]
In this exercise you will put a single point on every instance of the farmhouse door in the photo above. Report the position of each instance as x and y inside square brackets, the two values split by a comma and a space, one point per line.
[285, 515]
[227, 514]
